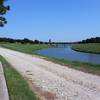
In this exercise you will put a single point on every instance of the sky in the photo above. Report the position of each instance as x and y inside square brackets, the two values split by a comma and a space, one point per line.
[58, 20]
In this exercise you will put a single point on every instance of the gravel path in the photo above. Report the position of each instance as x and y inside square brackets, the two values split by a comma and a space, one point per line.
[63, 82]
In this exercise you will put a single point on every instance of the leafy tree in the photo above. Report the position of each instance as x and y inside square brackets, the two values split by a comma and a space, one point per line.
[3, 10]
[36, 41]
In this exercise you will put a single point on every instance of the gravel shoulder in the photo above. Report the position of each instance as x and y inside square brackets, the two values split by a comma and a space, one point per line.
[57, 81]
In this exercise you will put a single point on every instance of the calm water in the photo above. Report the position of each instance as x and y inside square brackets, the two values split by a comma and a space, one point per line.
[68, 54]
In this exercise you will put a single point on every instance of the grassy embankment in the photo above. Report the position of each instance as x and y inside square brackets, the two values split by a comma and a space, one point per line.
[27, 48]
[17, 87]
[88, 48]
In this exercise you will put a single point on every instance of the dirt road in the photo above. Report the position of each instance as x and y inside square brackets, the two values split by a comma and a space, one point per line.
[54, 81]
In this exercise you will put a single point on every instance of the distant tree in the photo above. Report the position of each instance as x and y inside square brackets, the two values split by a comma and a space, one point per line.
[41, 42]
[87, 40]
[36, 41]
[3, 10]
[22, 41]
[25, 40]
[91, 40]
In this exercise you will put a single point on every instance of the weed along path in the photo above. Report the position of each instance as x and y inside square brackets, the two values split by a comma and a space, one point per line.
[53, 81]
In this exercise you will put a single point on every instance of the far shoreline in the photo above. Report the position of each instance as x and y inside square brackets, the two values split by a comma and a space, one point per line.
[87, 48]
[84, 51]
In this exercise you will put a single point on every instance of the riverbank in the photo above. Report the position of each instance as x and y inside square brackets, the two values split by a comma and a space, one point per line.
[87, 48]
[85, 67]
[17, 86]
[30, 49]
[25, 48]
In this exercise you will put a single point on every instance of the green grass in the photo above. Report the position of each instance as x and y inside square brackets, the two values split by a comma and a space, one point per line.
[85, 67]
[28, 48]
[89, 47]
[18, 88]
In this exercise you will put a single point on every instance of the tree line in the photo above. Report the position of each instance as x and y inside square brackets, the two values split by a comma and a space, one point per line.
[26, 40]
[22, 41]
[91, 40]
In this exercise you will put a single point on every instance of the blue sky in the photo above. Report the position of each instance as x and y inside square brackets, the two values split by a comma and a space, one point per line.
[59, 20]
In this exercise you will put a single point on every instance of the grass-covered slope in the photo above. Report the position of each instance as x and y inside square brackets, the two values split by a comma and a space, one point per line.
[26, 48]
[85, 67]
[88, 47]
[17, 87]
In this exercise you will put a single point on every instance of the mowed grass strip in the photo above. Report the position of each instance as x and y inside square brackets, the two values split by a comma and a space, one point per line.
[88, 47]
[85, 67]
[26, 48]
[17, 87]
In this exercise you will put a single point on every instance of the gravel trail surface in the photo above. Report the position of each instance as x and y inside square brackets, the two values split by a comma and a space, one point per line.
[62, 82]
